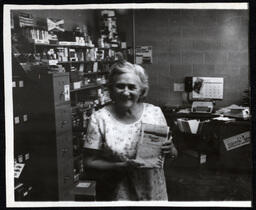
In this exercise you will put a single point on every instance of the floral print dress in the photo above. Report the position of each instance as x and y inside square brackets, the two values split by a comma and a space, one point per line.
[107, 134]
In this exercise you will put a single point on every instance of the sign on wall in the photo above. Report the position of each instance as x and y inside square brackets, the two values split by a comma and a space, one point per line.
[143, 54]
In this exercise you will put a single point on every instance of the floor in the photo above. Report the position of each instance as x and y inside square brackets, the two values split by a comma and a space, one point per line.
[188, 180]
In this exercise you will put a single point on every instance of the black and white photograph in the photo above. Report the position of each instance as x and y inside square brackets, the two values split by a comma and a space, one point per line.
[128, 105]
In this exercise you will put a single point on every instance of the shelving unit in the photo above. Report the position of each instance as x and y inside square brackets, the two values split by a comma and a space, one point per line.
[22, 153]
[61, 94]
[91, 86]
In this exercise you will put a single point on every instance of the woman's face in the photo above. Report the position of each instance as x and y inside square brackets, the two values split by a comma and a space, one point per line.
[126, 89]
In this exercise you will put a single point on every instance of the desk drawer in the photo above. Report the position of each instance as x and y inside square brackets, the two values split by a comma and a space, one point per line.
[63, 119]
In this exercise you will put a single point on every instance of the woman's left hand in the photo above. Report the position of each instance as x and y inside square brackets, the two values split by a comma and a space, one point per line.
[169, 149]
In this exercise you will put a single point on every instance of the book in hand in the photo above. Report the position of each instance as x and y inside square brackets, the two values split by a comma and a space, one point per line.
[149, 147]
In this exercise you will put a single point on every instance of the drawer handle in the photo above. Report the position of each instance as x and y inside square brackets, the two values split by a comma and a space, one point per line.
[66, 178]
[64, 151]
[64, 122]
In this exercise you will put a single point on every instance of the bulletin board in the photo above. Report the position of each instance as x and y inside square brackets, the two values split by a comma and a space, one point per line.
[143, 54]
[207, 87]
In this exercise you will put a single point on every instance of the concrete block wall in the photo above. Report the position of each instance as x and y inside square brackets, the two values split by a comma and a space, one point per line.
[194, 43]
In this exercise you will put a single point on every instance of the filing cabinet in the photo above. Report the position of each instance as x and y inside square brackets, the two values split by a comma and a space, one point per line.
[22, 153]
[51, 136]
[63, 118]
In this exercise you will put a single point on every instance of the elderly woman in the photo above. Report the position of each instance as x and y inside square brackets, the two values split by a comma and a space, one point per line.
[113, 134]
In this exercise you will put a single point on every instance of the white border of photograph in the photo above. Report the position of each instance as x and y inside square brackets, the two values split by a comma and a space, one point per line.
[9, 104]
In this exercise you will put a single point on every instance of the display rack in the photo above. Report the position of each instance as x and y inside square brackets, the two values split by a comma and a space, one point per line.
[65, 84]
[22, 154]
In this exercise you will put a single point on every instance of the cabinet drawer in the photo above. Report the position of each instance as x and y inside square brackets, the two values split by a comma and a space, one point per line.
[65, 162]
[61, 89]
[67, 195]
[63, 119]
[66, 178]
[64, 147]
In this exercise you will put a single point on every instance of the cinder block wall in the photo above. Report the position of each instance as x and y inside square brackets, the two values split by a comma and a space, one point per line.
[194, 43]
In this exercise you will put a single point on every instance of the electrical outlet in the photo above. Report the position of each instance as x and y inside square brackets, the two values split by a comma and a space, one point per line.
[178, 87]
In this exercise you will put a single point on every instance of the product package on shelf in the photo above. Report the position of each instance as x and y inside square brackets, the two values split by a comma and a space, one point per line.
[100, 55]
[80, 55]
[109, 35]
[53, 39]
[36, 35]
[91, 55]
[149, 147]
[108, 13]
[73, 55]
[62, 54]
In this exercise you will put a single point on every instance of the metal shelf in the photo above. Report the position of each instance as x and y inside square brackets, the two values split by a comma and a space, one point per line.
[61, 45]
[91, 86]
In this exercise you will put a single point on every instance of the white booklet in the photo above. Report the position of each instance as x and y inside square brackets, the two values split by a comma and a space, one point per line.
[149, 147]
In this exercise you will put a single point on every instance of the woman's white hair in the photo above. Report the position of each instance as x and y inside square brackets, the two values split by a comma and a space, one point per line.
[122, 66]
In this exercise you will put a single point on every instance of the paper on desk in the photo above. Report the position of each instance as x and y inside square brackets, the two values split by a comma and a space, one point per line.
[149, 147]
[193, 125]
[188, 126]
[229, 108]
[223, 118]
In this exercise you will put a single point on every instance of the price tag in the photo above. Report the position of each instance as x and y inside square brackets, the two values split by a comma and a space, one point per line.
[66, 92]
[83, 184]
[53, 62]
[13, 84]
[21, 83]
[18, 167]
[20, 158]
[25, 117]
[27, 156]
[203, 158]
[16, 120]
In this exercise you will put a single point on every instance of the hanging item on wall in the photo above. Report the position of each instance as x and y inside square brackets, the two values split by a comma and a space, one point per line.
[55, 25]
[26, 20]
[207, 88]
[143, 54]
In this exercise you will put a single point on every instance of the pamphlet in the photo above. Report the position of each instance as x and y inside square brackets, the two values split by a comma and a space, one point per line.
[149, 147]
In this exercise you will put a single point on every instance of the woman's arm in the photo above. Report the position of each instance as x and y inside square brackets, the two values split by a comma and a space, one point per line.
[93, 159]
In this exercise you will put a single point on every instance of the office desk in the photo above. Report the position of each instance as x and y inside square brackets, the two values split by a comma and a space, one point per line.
[211, 139]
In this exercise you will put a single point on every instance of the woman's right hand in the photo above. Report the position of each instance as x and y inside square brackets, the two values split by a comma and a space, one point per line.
[133, 163]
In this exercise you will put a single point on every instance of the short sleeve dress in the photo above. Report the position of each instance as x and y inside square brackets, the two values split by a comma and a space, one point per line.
[110, 136]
